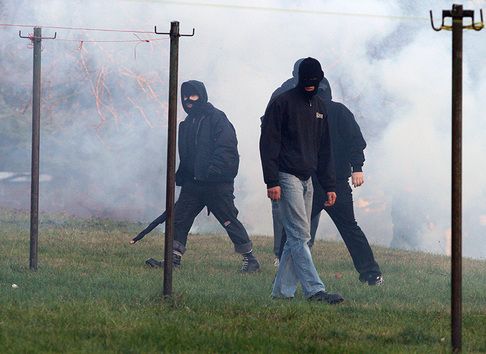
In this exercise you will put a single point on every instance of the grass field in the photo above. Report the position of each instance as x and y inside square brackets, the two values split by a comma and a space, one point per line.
[92, 293]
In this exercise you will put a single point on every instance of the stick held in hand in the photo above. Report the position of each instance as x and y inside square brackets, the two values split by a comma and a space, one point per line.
[160, 220]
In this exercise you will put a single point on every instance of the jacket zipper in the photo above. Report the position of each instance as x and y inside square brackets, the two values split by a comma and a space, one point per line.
[195, 143]
[199, 126]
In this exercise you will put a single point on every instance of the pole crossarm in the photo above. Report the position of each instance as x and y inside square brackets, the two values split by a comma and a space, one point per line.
[179, 35]
[456, 14]
[32, 37]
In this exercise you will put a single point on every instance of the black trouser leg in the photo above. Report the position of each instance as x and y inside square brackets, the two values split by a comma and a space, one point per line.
[188, 206]
[342, 214]
[220, 201]
[313, 227]
[318, 200]
[278, 230]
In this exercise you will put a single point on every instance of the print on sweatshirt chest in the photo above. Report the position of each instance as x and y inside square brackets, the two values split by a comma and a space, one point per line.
[309, 115]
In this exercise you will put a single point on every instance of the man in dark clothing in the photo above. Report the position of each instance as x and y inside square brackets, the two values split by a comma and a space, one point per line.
[294, 144]
[278, 231]
[348, 145]
[208, 165]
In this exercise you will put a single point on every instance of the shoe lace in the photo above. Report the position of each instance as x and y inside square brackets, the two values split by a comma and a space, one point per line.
[176, 259]
[245, 263]
[379, 280]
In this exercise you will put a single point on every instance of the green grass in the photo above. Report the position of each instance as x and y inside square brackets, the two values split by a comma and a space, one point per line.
[92, 293]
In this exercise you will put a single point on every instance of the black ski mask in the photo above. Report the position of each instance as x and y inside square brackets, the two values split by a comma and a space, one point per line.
[195, 104]
[310, 74]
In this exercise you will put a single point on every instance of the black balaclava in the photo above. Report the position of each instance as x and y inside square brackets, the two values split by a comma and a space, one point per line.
[187, 91]
[310, 74]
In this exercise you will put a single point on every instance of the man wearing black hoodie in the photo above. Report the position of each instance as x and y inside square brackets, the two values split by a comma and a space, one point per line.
[294, 144]
[208, 165]
[348, 148]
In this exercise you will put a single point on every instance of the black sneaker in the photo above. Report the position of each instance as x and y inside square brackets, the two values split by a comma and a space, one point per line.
[250, 265]
[332, 299]
[151, 262]
[176, 262]
[372, 278]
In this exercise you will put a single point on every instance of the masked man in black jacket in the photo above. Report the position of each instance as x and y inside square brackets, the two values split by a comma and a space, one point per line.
[348, 148]
[294, 144]
[208, 165]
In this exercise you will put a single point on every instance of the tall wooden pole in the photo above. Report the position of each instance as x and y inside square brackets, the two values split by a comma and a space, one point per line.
[456, 209]
[171, 157]
[34, 194]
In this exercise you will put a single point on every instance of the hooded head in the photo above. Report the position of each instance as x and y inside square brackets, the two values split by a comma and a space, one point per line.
[324, 90]
[310, 75]
[194, 96]
[295, 71]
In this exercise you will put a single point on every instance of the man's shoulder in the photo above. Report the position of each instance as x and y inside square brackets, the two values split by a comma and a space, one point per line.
[216, 115]
[286, 86]
[210, 110]
[340, 109]
[284, 97]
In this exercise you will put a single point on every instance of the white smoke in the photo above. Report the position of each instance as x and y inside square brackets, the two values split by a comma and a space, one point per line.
[392, 70]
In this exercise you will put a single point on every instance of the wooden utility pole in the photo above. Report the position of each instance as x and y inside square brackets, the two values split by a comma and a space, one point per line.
[457, 14]
[171, 153]
[34, 188]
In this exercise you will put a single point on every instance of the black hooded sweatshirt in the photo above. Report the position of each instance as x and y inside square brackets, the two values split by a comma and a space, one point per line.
[347, 140]
[207, 142]
[295, 139]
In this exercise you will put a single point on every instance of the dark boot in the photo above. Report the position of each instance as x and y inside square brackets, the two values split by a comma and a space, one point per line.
[332, 299]
[250, 263]
[176, 261]
[372, 278]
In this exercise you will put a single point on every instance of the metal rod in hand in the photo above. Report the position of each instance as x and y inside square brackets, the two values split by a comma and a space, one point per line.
[456, 209]
[171, 157]
[34, 194]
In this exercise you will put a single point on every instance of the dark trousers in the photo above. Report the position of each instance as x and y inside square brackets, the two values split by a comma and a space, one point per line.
[219, 199]
[342, 214]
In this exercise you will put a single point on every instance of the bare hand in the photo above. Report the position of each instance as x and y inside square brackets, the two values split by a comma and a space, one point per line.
[357, 179]
[274, 193]
[331, 199]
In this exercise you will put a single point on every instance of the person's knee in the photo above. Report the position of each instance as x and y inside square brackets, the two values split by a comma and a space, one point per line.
[298, 240]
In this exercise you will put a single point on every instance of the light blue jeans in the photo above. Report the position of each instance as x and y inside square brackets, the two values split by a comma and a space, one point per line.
[296, 263]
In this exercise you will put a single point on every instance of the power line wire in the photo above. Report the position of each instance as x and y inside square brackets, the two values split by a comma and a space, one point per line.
[142, 40]
[289, 10]
[77, 28]
[92, 29]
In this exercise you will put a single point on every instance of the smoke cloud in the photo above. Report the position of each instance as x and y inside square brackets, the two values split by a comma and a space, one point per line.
[104, 106]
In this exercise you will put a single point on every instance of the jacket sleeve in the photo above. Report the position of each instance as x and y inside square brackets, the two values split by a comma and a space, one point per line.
[270, 140]
[326, 171]
[225, 152]
[180, 176]
[350, 131]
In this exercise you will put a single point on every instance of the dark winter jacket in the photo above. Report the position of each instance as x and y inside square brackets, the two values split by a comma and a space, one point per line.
[347, 140]
[207, 144]
[295, 139]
